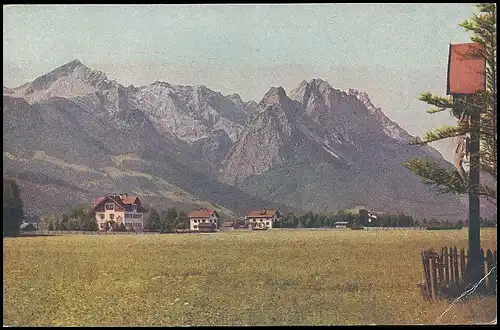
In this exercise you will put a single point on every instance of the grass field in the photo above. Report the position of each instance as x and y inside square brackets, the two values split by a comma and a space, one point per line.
[230, 278]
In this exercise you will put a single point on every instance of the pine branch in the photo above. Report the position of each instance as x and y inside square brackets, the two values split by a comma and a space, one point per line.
[445, 132]
[442, 180]
[441, 103]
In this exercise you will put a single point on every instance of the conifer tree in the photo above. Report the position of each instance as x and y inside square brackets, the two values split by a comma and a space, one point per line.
[12, 208]
[483, 28]
[476, 116]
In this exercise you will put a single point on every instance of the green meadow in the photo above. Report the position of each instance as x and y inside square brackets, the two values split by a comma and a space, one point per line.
[274, 277]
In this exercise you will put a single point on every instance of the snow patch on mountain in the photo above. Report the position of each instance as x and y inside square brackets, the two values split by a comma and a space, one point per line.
[185, 111]
[70, 80]
[389, 127]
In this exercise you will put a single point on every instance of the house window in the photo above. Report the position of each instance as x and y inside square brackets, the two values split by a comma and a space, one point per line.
[111, 216]
[267, 223]
[110, 206]
[101, 216]
[195, 221]
[195, 226]
[203, 220]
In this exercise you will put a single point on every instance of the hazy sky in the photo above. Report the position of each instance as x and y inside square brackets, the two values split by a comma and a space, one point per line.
[391, 51]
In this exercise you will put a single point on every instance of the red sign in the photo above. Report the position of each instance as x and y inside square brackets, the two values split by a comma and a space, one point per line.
[466, 69]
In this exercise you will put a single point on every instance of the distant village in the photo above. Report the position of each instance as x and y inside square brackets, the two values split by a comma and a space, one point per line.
[126, 213]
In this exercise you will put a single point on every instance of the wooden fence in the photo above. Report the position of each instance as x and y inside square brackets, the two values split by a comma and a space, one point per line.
[82, 232]
[444, 273]
[102, 233]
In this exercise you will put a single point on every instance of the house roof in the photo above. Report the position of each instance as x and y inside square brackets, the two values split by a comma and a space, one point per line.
[98, 200]
[130, 200]
[201, 213]
[122, 202]
[261, 214]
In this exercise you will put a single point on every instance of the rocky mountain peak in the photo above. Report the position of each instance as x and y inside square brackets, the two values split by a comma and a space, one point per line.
[7, 90]
[69, 80]
[301, 93]
[317, 87]
[275, 95]
[161, 84]
[70, 65]
[320, 84]
[74, 69]
[317, 148]
[364, 99]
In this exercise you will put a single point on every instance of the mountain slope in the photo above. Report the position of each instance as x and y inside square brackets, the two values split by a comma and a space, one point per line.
[94, 141]
[76, 134]
[341, 152]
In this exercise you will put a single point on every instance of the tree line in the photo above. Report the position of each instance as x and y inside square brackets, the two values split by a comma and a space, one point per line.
[12, 208]
[81, 217]
[318, 220]
[364, 218]
[165, 221]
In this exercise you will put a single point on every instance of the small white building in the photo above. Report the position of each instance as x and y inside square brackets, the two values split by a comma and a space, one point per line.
[372, 218]
[262, 218]
[202, 216]
[340, 224]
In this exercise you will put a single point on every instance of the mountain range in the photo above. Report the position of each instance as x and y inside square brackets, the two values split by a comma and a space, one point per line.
[73, 134]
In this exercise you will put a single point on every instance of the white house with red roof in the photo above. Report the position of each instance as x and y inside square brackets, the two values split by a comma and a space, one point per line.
[262, 218]
[203, 215]
[113, 210]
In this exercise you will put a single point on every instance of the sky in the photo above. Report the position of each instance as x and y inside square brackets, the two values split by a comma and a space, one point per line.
[393, 52]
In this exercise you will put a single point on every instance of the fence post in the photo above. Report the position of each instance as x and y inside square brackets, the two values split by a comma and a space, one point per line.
[482, 270]
[491, 262]
[455, 265]
[446, 266]
[440, 268]
[452, 268]
[486, 267]
[427, 276]
[463, 265]
[432, 260]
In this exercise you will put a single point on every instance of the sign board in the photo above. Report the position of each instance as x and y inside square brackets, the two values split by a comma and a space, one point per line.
[466, 70]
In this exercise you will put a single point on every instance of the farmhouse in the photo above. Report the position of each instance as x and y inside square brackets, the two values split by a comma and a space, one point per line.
[227, 225]
[207, 227]
[262, 218]
[203, 215]
[113, 210]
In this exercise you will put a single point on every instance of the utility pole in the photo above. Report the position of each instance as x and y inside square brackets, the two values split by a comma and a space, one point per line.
[474, 262]
[467, 76]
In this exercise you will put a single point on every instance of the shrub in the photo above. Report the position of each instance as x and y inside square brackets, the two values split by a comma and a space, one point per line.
[357, 227]
[121, 228]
